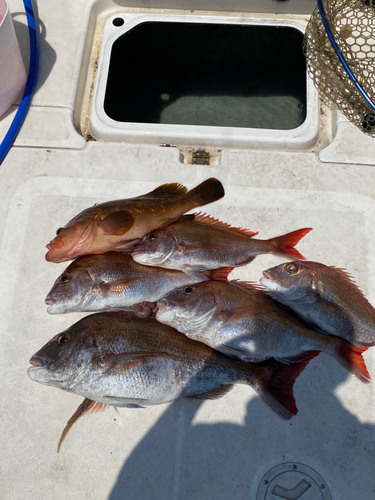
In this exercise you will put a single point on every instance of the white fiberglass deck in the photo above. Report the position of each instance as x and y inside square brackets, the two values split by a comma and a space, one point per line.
[190, 450]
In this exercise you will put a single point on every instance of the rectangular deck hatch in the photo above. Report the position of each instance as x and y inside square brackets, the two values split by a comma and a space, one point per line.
[208, 74]
[204, 81]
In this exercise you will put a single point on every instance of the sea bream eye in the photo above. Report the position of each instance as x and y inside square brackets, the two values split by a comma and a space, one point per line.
[292, 268]
[151, 237]
[63, 339]
[188, 290]
[64, 278]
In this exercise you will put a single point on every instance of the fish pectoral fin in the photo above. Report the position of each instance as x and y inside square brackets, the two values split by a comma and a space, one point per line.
[126, 246]
[125, 402]
[289, 360]
[198, 275]
[220, 274]
[345, 311]
[327, 306]
[184, 246]
[171, 190]
[215, 393]
[238, 354]
[117, 223]
[237, 314]
[87, 407]
[119, 286]
[118, 363]
[246, 261]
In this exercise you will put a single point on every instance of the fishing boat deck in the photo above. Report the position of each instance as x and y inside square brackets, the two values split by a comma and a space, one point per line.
[190, 449]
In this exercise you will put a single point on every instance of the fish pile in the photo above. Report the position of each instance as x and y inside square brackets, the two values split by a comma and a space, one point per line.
[168, 324]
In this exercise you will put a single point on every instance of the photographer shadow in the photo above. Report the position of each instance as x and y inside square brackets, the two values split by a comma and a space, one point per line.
[178, 459]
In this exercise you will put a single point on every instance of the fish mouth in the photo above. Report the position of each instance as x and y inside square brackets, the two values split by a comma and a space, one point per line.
[267, 275]
[41, 374]
[35, 361]
[37, 364]
[145, 258]
[56, 243]
[40, 371]
[49, 254]
[31, 372]
[58, 251]
[130, 245]
[138, 253]
[52, 310]
[50, 301]
[161, 309]
[53, 306]
[161, 305]
[52, 257]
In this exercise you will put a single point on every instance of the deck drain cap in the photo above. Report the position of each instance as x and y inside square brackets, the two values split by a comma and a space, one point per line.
[293, 481]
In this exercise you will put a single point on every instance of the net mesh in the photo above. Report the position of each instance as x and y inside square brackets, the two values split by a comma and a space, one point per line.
[352, 23]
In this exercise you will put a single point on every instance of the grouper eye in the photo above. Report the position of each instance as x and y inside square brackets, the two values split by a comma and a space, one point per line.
[188, 290]
[151, 237]
[63, 339]
[292, 268]
[64, 278]
[59, 231]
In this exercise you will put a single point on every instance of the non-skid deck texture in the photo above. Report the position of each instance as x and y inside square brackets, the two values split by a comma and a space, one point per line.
[188, 450]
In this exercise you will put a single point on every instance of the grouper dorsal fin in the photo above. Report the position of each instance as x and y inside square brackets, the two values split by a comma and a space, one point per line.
[87, 407]
[167, 191]
[207, 219]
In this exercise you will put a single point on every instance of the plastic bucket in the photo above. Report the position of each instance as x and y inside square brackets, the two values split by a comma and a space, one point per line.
[12, 70]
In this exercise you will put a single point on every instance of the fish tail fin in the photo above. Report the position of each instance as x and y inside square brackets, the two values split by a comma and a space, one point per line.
[220, 274]
[276, 387]
[206, 192]
[350, 357]
[284, 245]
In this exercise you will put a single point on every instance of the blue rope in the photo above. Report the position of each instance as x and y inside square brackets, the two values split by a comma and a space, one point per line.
[30, 85]
[341, 57]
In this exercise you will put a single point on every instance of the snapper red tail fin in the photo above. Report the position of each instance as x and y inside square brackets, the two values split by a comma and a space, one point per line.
[284, 245]
[276, 388]
[350, 357]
